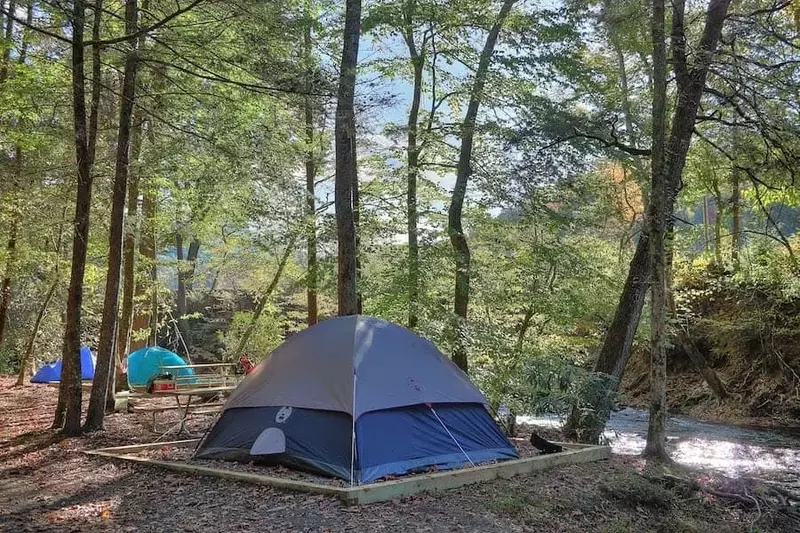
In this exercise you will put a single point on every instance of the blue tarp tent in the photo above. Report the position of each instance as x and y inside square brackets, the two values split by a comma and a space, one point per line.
[145, 363]
[52, 371]
[357, 398]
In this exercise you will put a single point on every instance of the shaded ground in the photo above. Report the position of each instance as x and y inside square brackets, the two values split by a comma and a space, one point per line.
[46, 484]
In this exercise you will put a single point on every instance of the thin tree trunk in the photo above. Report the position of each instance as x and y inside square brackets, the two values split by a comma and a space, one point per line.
[690, 82]
[455, 228]
[311, 176]
[657, 223]
[27, 358]
[104, 368]
[615, 351]
[129, 249]
[248, 332]
[736, 243]
[180, 297]
[412, 156]
[11, 246]
[11, 259]
[706, 224]
[191, 259]
[7, 36]
[147, 248]
[617, 342]
[94, 107]
[346, 173]
[718, 227]
[68, 411]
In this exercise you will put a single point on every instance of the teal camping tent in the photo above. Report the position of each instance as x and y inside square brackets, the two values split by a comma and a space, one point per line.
[145, 364]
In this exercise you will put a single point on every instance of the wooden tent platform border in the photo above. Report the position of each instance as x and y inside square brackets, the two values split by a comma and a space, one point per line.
[373, 492]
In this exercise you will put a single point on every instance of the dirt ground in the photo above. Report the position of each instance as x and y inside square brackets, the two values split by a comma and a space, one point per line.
[47, 484]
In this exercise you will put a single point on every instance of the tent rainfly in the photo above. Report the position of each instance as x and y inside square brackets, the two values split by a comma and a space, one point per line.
[145, 364]
[357, 398]
[52, 371]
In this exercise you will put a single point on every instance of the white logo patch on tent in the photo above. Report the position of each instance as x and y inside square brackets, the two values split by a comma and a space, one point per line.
[283, 415]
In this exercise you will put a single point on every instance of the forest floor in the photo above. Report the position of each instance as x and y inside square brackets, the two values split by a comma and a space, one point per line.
[47, 484]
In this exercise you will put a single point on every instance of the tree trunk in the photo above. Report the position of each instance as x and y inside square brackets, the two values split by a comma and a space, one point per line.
[129, 249]
[311, 176]
[147, 249]
[690, 83]
[615, 351]
[68, 411]
[104, 368]
[7, 35]
[656, 437]
[27, 358]
[11, 251]
[736, 230]
[346, 174]
[718, 228]
[191, 259]
[455, 228]
[412, 156]
[94, 109]
[617, 342]
[180, 299]
[11, 246]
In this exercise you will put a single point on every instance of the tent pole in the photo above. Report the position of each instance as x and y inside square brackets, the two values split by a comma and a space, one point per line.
[451, 435]
[353, 435]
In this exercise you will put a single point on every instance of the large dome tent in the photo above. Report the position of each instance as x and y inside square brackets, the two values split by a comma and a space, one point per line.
[357, 398]
[145, 364]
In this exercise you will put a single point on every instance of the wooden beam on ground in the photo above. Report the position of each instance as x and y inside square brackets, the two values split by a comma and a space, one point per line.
[450, 479]
[373, 492]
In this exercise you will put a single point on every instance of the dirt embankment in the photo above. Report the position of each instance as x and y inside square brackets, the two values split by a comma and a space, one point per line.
[749, 336]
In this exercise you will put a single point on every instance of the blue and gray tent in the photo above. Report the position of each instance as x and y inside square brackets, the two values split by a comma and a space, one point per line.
[357, 398]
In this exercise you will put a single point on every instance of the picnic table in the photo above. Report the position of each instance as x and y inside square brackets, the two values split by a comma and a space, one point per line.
[187, 394]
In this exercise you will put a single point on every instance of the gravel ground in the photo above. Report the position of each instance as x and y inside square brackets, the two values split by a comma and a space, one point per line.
[47, 484]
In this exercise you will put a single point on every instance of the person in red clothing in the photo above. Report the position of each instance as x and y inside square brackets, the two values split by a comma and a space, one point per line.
[246, 364]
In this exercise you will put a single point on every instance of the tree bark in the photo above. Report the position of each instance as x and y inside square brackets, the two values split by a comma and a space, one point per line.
[690, 81]
[311, 176]
[248, 332]
[412, 156]
[68, 410]
[455, 227]
[11, 246]
[104, 368]
[617, 342]
[180, 300]
[346, 173]
[129, 249]
[736, 230]
[7, 35]
[11, 256]
[656, 437]
[718, 212]
[148, 319]
[94, 108]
